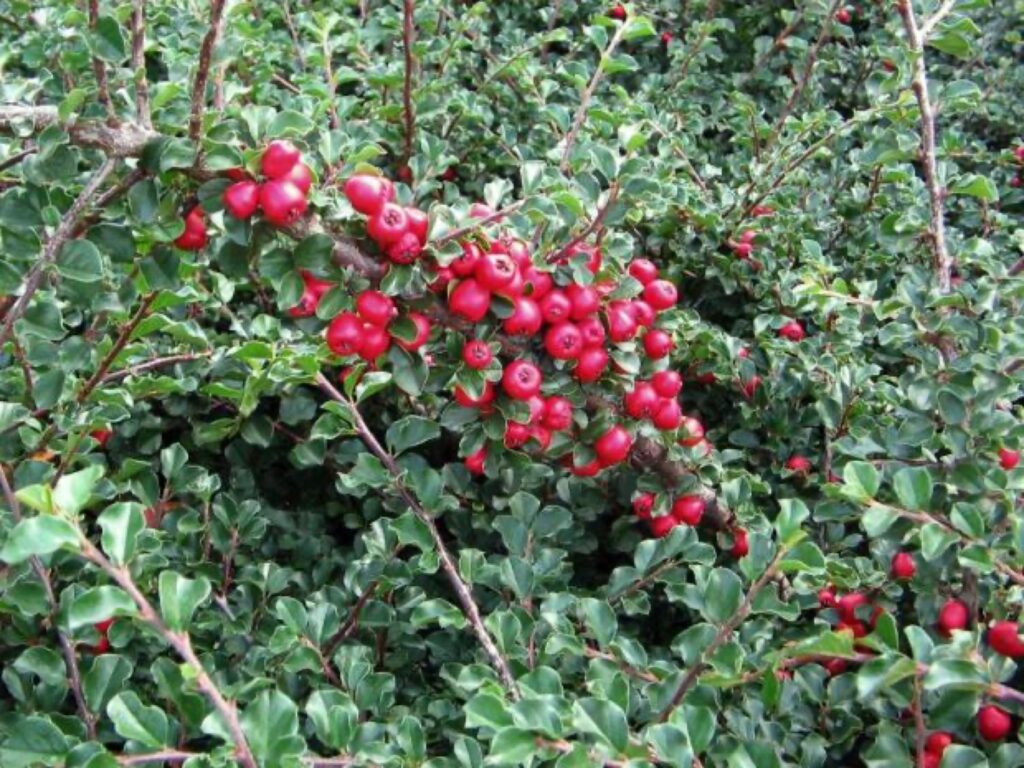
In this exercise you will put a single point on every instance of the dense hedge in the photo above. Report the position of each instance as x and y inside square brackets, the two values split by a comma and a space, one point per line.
[254, 514]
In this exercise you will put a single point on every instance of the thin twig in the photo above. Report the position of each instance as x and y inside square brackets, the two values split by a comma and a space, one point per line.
[123, 337]
[52, 249]
[408, 40]
[139, 63]
[16, 158]
[195, 122]
[151, 365]
[455, 234]
[99, 68]
[919, 726]
[289, 22]
[594, 226]
[465, 597]
[352, 622]
[939, 15]
[164, 756]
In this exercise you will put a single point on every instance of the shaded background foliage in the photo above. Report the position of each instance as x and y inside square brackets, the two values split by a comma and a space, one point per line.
[247, 510]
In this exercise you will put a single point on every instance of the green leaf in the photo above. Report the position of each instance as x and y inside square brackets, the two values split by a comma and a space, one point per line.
[955, 673]
[600, 620]
[723, 595]
[974, 185]
[73, 492]
[104, 679]
[133, 720]
[603, 719]
[883, 673]
[512, 746]
[121, 523]
[39, 535]
[335, 717]
[80, 260]
[271, 725]
[792, 514]
[32, 741]
[411, 431]
[861, 479]
[179, 598]
[99, 604]
[107, 40]
[913, 486]
[485, 710]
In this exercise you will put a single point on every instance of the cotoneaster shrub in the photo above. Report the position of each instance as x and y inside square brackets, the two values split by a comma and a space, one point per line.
[428, 383]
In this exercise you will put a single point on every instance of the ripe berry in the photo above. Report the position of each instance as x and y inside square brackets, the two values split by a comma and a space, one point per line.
[584, 299]
[345, 334]
[564, 341]
[826, 598]
[475, 461]
[618, 12]
[592, 331]
[662, 526]
[542, 436]
[404, 173]
[953, 615]
[643, 270]
[376, 308]
[102, 646]
[688, 509]
[843, 16]
[470, 300]
[660, 294]
[242, 199]
[835, 666]
[590, 469]
[937, 742]
[307, 304]
[847, 605]
[692, 432]
[376, 341]
[853, 626]
[743, 250]
[465, 265]
[642, 401]
[668, 415]
[301, 177]
[278, 158]
[1008, 459]
[643, 505]
[1004, 637]
[903, 566]
[622, 325]
[480, 211]
[521, 380]
[749, 387]
[592, 253]
[463, 398]
[282, 202]
[613, 446]
[792, 331]
[477, 354]
[525, 319]
[516, 435]
[591, 364]
[642, 312]
[406, 249]
[369, 193]
[798, 463]
[103, 626]
[422, 324]
[658, 343]
[101, 436]
[555, 306]
[667, 383]
[666, 37]
[740, 544]
[993, 723]
[557, 413]
[536, 284]
[419, 224]
[315, 284]
[388, 225]
[495, 270]
[194, 236]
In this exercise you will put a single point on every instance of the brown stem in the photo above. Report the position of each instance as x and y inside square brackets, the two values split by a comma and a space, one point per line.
[455, 234]
[588, 94]
[52, 249]
[151, 365]
[182, 645]
[119, 343]
[465, 597]
[916, 39]
[289, 22]
[694, 49]
[164, 756]
[139, 63]
[352, 622]
[408, 39]
[195, 122]
[723, 634]
[594, 226]
[919, 726]
[66, 647]
[99, 68]
[16, 158]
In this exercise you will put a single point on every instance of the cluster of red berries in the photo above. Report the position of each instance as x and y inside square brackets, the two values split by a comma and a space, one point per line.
[399, 231]
[281, 196]
[1018, 180]
[685, 510]
[367, 331]
[194, 238]
[744, 247]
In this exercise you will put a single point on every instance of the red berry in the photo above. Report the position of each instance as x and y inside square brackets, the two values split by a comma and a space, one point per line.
[101, 647]
[662, 526]
[300, 176]
[555, 306]
[525, 319]
[282, 202]
[937, 742]
[307, 304]
[903, 566]
[643, 505]
[643, 270]
[101, 436]
[613, 446]
[406, 249]
[194, 237]
[242, 199]
[1008, 459]
[564, 341]
[622, 324]
[592, 253]
[480, 211]
[557, 413]
[993, 723]
[952, 616]
[470, 300]
[668, 415]
[749, 387]
[315, 284]
[591, 364]
[642, 401]
[590, 469]
[847, 605]
[592, 331]
[835, 666]
[422, 324]
[660, 294]
[748, 236]
[463, 398]
[843, 16]
[585, 300]
[419, 224]
[387, 225]
[743, 250]
[516, 435]
[495, 270]
[278, 158]
[465, 265]
[761, 210]
[477, 354]
[792, 331]
[618, 12]
[375, 307]
[740, 543]
[688, 509]
[376, 341]
[642, 312]
[853, 626]
[1018, 152]
[542, 435]
[405, 173]
[658, 343]
[666, 37]
[536, 284]
[369, 193]
[514, 289]
[345, 334]
[667, 383]
[518, 251]
[475, 461]
[103, 626]
[521, 380]
[826, 598]
[798, 463]
[1004, 637]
